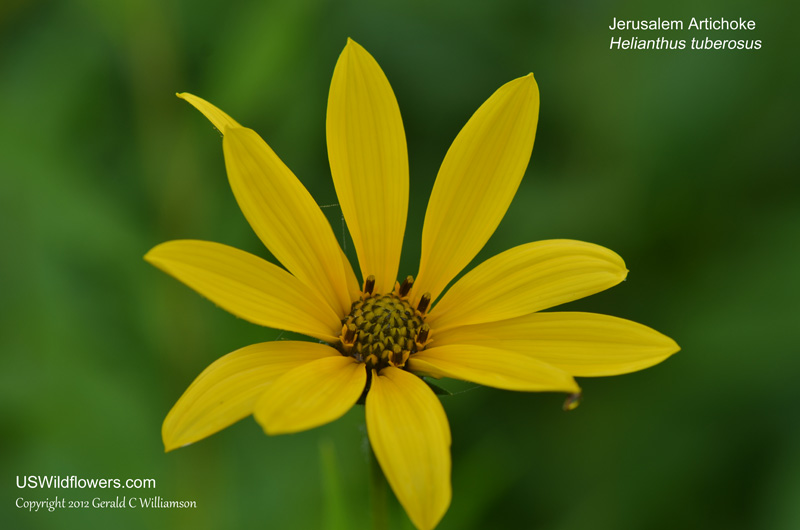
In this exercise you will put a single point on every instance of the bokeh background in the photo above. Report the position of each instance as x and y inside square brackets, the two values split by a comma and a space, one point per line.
[685, 163]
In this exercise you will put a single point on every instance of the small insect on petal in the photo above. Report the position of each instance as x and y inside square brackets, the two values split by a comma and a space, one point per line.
[572, 401]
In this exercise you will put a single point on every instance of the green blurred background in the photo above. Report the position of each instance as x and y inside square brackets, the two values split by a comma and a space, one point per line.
[685, 163]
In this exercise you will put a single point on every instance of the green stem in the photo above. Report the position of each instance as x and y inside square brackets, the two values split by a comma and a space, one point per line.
[379, 493]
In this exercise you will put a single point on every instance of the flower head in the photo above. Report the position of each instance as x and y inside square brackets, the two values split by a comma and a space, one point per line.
[378, 336]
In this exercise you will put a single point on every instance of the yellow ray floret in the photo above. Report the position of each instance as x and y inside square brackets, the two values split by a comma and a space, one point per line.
[479, 176]
[366, 139]
[582, 344]
[228, 389]
[409, 433]
[247, 286]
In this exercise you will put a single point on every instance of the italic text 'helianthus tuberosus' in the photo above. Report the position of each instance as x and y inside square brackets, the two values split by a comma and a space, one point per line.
[379, 335]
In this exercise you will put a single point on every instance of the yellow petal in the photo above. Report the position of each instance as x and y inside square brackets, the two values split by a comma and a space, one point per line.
[247, 286]
[582, 344]
[475, 185]
[226, 391]
[285, 216]
[311, 395]
[220, 120]
[491, 367]
[410, 436]
[525, 279]
[369, 162]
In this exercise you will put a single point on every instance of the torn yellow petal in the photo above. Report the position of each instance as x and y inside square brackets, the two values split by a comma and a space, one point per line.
[369, 162]
[220, 120]
[285, 216]
[226, 391]
[311, 395]
[478, 178]
[525, 279]
[247, 286]
[410, 436]
[491, 367]
[582, 344]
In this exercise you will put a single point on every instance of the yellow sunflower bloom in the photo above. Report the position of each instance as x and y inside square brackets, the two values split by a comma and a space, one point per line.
[376, 338]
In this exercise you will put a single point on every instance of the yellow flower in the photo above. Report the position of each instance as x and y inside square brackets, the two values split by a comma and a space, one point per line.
[377, 337]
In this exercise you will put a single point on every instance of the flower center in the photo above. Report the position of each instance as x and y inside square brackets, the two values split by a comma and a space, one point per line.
[384, 329]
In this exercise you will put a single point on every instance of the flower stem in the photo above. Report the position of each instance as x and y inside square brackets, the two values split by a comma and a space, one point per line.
[379, 494]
